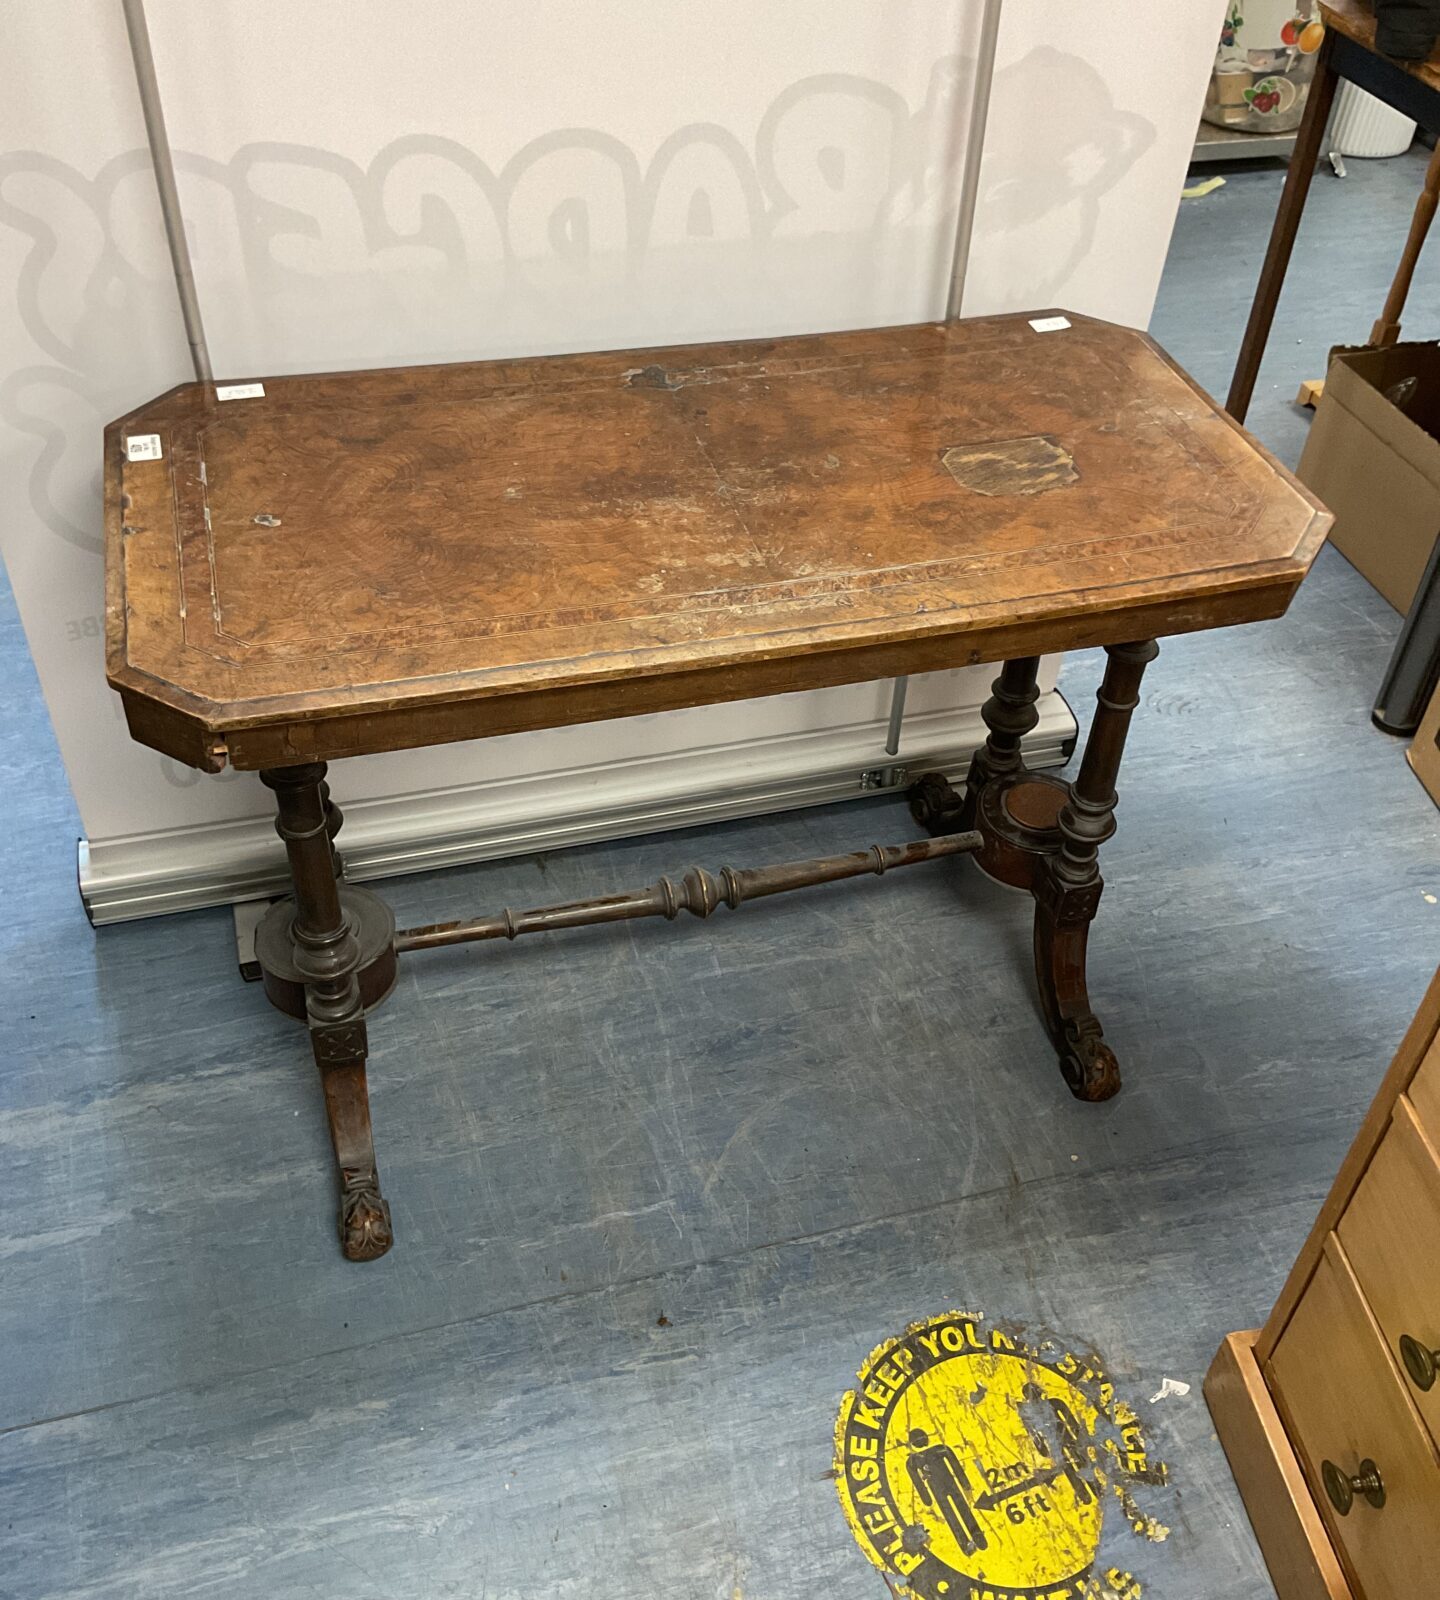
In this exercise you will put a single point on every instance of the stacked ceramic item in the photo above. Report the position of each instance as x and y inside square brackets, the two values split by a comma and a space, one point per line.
[1264, 65]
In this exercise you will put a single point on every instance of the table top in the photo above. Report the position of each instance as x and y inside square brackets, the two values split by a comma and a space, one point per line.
[378, 560]
[1356, 20]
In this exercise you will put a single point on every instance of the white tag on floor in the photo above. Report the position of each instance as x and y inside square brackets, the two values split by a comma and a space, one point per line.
[143, 447]
[1049, 324]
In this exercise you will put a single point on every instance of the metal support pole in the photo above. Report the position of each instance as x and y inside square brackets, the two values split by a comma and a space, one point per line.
[974, 152]
[165, 182]
[960, 258]
[897, 716]
[899, 688]
[1414, 668]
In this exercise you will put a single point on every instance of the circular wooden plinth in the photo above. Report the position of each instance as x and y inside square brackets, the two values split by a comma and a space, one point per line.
[1018, 817]
[374, 925]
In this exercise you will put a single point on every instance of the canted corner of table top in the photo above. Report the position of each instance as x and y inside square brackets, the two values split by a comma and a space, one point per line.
[353, 562]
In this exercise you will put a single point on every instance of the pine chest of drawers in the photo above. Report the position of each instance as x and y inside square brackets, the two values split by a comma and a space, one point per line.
[1330, 1414]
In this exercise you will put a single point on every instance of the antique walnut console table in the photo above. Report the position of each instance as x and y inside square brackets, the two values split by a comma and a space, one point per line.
[390, 559]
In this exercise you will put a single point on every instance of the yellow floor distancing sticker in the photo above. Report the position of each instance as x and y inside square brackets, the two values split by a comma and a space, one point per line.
[973, 1465]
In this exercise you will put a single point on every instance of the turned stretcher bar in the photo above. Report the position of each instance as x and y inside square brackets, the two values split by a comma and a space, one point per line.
[698, 892]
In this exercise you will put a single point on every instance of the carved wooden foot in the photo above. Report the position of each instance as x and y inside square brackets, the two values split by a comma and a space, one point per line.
[364, 1217]
[365, 1230]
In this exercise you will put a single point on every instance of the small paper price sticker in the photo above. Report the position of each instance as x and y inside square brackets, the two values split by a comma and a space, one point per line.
[239, 391]
[1049, 324]
[143, 447]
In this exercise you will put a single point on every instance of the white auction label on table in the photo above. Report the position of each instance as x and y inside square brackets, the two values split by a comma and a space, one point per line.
[1049, 324]
[143, 447]
[239, 391]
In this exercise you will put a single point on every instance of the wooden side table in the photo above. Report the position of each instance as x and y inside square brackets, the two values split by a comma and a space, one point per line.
[1413, 88]
[316, 567]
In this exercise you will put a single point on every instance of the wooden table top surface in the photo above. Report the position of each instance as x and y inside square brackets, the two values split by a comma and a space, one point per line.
[378, 560]
[1356, 20]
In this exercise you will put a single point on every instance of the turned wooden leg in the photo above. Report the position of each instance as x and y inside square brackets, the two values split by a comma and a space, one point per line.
[1009, 714]
[1067, 884]
[334, 821]
[325, 953]
[1282, 235]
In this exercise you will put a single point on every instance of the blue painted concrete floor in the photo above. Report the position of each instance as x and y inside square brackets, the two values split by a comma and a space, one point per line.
[658, 1192]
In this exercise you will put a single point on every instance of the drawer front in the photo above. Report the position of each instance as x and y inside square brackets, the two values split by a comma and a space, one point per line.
[1391, 1233]
[1424, 1092]
[1342, 1403]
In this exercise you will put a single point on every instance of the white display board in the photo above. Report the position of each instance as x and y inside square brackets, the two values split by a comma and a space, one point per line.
[488, 180]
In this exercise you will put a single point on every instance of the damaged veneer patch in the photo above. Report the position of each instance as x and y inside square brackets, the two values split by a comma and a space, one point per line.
[1012, 466]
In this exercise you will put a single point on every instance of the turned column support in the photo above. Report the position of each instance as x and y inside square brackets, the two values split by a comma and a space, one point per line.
[1067, 884]
[334, 821]
[1009, 714]
[1042, 834]
[326, 951]
[324, 954]
[1087, 819]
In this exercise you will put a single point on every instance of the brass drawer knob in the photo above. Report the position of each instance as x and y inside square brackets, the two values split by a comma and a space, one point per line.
[1342, 1489]
[1420, 1361]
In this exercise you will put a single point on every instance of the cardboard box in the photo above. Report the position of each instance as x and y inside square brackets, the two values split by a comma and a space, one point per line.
[1377, 467]
[1424, 754]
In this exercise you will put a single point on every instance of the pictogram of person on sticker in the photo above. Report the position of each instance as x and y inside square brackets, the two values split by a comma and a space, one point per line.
[1071, 1441]
[941, 1482]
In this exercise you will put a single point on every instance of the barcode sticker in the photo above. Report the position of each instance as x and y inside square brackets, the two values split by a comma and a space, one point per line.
[143, 447]
[1049, 324]
[239, 391]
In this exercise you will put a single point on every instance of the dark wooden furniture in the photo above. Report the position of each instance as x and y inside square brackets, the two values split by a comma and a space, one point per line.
[1413, 88]
[381, 560]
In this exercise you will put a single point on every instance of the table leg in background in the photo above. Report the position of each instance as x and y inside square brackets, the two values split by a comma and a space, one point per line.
[330, 945]
[1043, 834]
[1282, 235]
